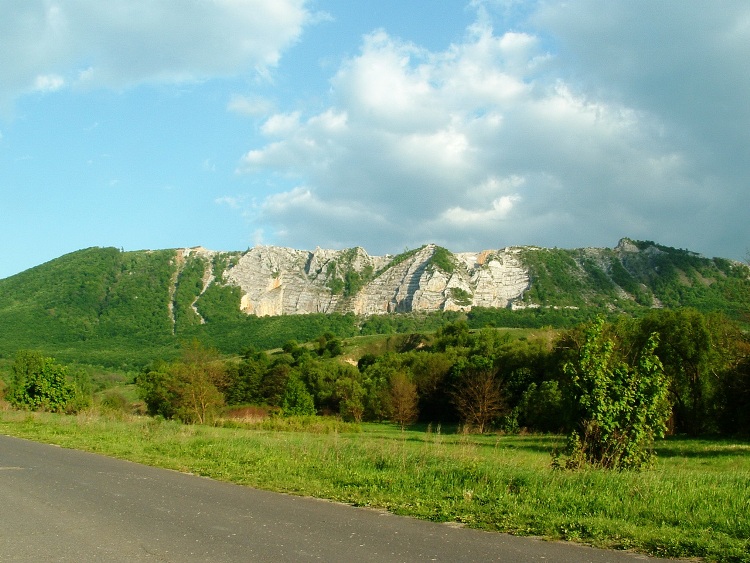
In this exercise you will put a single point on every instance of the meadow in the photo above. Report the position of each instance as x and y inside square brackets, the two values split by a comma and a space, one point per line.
[694, 502]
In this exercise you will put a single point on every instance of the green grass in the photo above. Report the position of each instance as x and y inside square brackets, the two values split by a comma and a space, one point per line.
[694, 503]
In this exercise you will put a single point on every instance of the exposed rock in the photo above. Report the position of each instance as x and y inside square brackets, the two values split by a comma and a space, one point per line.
[626, 245]
[283, 281]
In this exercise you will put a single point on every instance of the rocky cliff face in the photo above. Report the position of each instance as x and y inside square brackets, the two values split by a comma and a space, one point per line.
[283, 281]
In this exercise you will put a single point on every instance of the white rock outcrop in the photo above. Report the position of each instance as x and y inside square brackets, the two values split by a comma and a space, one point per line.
[284, 281]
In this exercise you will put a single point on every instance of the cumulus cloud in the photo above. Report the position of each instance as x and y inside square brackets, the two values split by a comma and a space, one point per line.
[499, 140]
[118, 43]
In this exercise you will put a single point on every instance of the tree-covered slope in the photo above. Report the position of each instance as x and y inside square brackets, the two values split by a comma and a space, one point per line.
[106, 306]
[634, 275]
[120, 307]
[84, 298]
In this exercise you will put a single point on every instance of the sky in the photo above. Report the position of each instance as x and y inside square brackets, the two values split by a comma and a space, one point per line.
[386, 124]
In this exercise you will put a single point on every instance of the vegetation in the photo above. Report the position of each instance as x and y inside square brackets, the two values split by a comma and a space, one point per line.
[621, 402]
[130, 326]
[39, 383]
[461, 296]
[298, 417]
[692, 504]
[343, 276]
[629, 281]
[188, 389]
[105, 307]
[399, 258]
[142, 333]
[443, 259]
[611, 385]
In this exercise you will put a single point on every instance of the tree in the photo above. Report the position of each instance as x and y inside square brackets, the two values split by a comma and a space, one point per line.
[403, 399]
[190, 388]
[622, 402]
[351, 394]
[197, 393]
[431, 372]
[328, 346]
[478, 398]
[39, 383]
[297, 400]
[157, 388]
[244, 379]
[377, 384]
[734, 414]
[320, 377]
[684, 348]
[542, 408]
[273, 384]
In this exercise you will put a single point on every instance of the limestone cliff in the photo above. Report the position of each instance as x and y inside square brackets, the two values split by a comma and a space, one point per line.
[276, 281]
[284, 281]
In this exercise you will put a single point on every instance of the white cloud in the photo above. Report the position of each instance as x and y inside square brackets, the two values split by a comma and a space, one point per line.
[496, 140]
[119, 43]
[485, 217]
[329, 223]
[235, 202]
[48, 83]
[281, 124]
[440, 146]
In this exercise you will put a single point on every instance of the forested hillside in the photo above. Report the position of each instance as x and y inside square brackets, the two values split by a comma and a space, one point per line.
[595, 323]
[109, 307]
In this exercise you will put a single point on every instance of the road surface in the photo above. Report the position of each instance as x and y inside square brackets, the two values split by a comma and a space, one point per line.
[65, 505]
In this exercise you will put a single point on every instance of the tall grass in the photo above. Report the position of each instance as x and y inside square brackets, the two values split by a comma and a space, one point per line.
[694, 503]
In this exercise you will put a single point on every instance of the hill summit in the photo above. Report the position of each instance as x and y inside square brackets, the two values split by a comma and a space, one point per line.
[283, 281]
[105, 292]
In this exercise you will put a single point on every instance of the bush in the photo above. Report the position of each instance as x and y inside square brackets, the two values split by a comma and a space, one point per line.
[622, 403]
[39, 383]
[114, 401]
[297, 400]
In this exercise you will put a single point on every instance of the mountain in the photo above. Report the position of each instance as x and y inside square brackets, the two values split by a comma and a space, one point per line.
[282, 281]
[97, 295]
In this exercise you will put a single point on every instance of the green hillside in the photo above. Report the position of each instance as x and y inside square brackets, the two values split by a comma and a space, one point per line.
[109, 307]
[634, 275]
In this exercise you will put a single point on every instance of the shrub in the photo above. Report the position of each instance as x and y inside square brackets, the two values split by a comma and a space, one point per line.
[297, 400]
[622, 403]
[113, 400]
[39, 383]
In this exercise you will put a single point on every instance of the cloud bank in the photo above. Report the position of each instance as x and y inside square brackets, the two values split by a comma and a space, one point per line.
[586, 123]
[51, 44]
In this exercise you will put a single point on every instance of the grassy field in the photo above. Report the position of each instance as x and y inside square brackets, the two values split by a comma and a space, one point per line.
[694, 503]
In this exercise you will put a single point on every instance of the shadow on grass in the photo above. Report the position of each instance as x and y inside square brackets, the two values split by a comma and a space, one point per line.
[701, 447]
[451, 435]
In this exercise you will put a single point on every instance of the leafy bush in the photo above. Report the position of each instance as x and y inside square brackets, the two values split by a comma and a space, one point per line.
[39, 383]
[622, 403]
[114, 401]
[297, 400]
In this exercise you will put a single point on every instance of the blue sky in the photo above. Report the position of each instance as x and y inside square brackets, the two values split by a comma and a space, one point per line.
[149, 124]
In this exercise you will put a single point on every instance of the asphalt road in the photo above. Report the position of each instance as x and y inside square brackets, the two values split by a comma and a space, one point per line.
[65, 505]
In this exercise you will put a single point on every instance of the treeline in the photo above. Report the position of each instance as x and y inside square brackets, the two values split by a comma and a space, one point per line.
[483, 379]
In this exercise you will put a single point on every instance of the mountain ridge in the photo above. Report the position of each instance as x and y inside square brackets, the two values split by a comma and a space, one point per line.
[155, 296]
